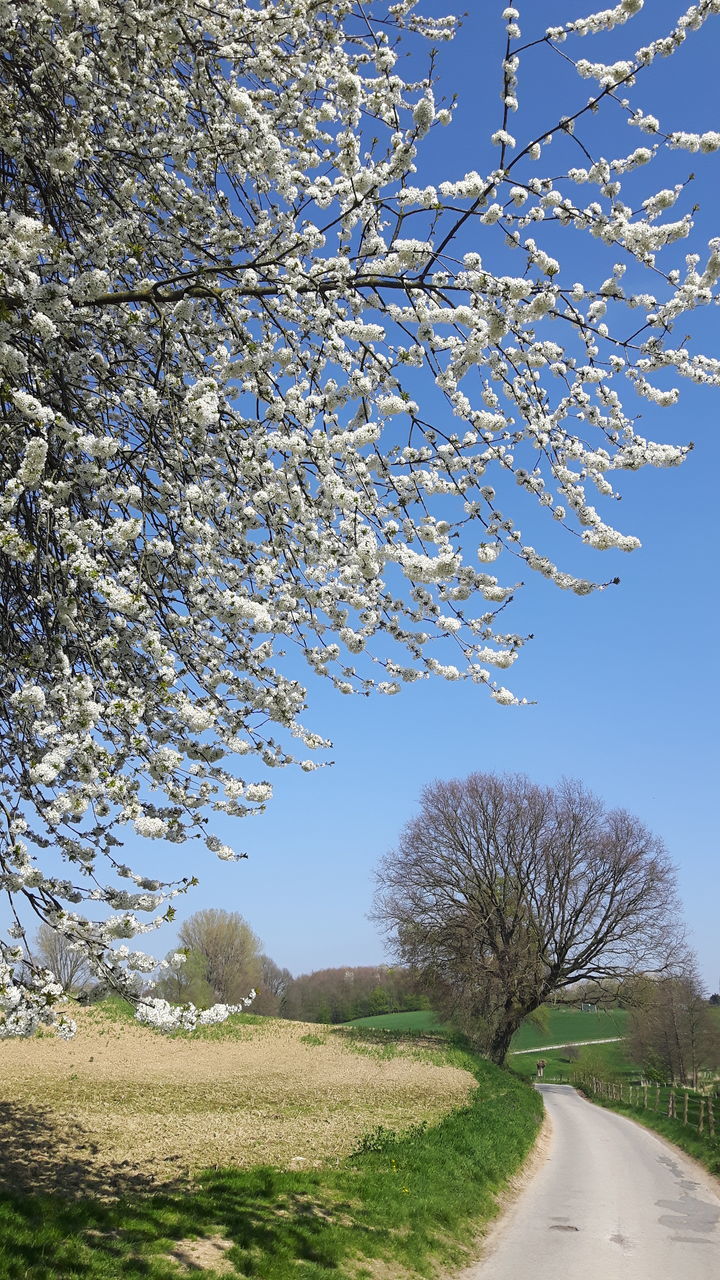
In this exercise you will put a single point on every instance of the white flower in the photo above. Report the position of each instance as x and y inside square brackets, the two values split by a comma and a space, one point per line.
[153, 828]
[391, 405]
[424, 113]
[259, 792]
[504, 697]
[30, 407]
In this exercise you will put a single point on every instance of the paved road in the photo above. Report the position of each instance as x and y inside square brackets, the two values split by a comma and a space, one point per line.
[611, 1202]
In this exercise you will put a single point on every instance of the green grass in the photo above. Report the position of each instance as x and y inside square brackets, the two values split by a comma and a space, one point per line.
[554, 1026]
[559, 1026]
[415, 1020]
[414, 1201]
[609, 1061]
[562, 1025]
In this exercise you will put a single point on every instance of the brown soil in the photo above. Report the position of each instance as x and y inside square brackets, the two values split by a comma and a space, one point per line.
[204, 1255]
[121, 1107]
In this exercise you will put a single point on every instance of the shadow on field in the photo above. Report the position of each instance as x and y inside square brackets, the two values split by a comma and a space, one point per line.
[236, 1221]
[38, 1155]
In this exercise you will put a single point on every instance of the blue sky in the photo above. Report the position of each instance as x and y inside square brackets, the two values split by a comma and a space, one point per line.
[624, 682]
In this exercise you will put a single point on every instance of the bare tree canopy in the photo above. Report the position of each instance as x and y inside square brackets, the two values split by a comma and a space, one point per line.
[342, 994]
[272, 987]
[501, 892]
[185, 983]
[55, 952]
[672, 1032]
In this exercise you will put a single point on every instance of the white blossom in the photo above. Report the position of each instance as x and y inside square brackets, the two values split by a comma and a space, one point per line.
[263, 402]
[502, 138]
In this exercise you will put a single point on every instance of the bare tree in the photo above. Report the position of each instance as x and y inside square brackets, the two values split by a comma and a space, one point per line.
[230, 948]
[672, 1029]
[272, 987]
[501, 892]
[53, 951]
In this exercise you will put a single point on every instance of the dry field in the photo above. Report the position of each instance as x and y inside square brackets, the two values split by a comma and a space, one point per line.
[121, 1107]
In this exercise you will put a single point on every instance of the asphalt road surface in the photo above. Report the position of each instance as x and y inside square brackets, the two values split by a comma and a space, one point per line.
[610, 1202]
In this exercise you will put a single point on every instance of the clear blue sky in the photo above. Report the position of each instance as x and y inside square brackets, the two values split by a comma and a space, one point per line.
[625, 681]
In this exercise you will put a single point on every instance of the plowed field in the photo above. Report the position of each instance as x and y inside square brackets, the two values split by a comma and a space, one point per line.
[122, 1107]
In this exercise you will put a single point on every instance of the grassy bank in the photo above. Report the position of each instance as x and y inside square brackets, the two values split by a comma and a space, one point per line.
[400, 1205]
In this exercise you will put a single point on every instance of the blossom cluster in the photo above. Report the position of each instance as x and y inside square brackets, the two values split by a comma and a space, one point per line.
[28, 1006]
[164, 1016]
[222, 286]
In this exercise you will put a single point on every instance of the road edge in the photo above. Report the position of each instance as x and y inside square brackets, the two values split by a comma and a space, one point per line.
[712, 1181]
[507, 1199]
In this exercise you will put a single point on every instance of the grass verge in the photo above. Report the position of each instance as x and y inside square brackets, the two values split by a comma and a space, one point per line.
[401, 1205]
[700, 1145]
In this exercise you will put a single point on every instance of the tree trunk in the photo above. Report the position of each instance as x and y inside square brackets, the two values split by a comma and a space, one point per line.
[500, 1043]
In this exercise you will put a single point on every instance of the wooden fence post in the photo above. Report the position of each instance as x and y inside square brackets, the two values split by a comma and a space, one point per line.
[685, 1107]
[701, 1121]
[657, 1097]
[711, 1118]
[645, 1100]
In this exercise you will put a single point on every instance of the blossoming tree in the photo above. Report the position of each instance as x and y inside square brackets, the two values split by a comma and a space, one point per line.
[256, 378]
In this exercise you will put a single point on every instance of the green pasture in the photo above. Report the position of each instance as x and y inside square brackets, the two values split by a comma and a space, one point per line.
[560, 1025]
[415, 1020]
[609, 1061]
[550, 1026]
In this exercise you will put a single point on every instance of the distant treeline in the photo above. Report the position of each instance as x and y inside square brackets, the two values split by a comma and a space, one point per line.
[339, 995]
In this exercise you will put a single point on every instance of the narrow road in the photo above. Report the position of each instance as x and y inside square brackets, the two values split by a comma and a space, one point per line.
[611, 1202]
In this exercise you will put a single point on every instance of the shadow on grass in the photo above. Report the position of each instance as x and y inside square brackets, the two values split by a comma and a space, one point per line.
[63, 1216]
[271, 1223]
